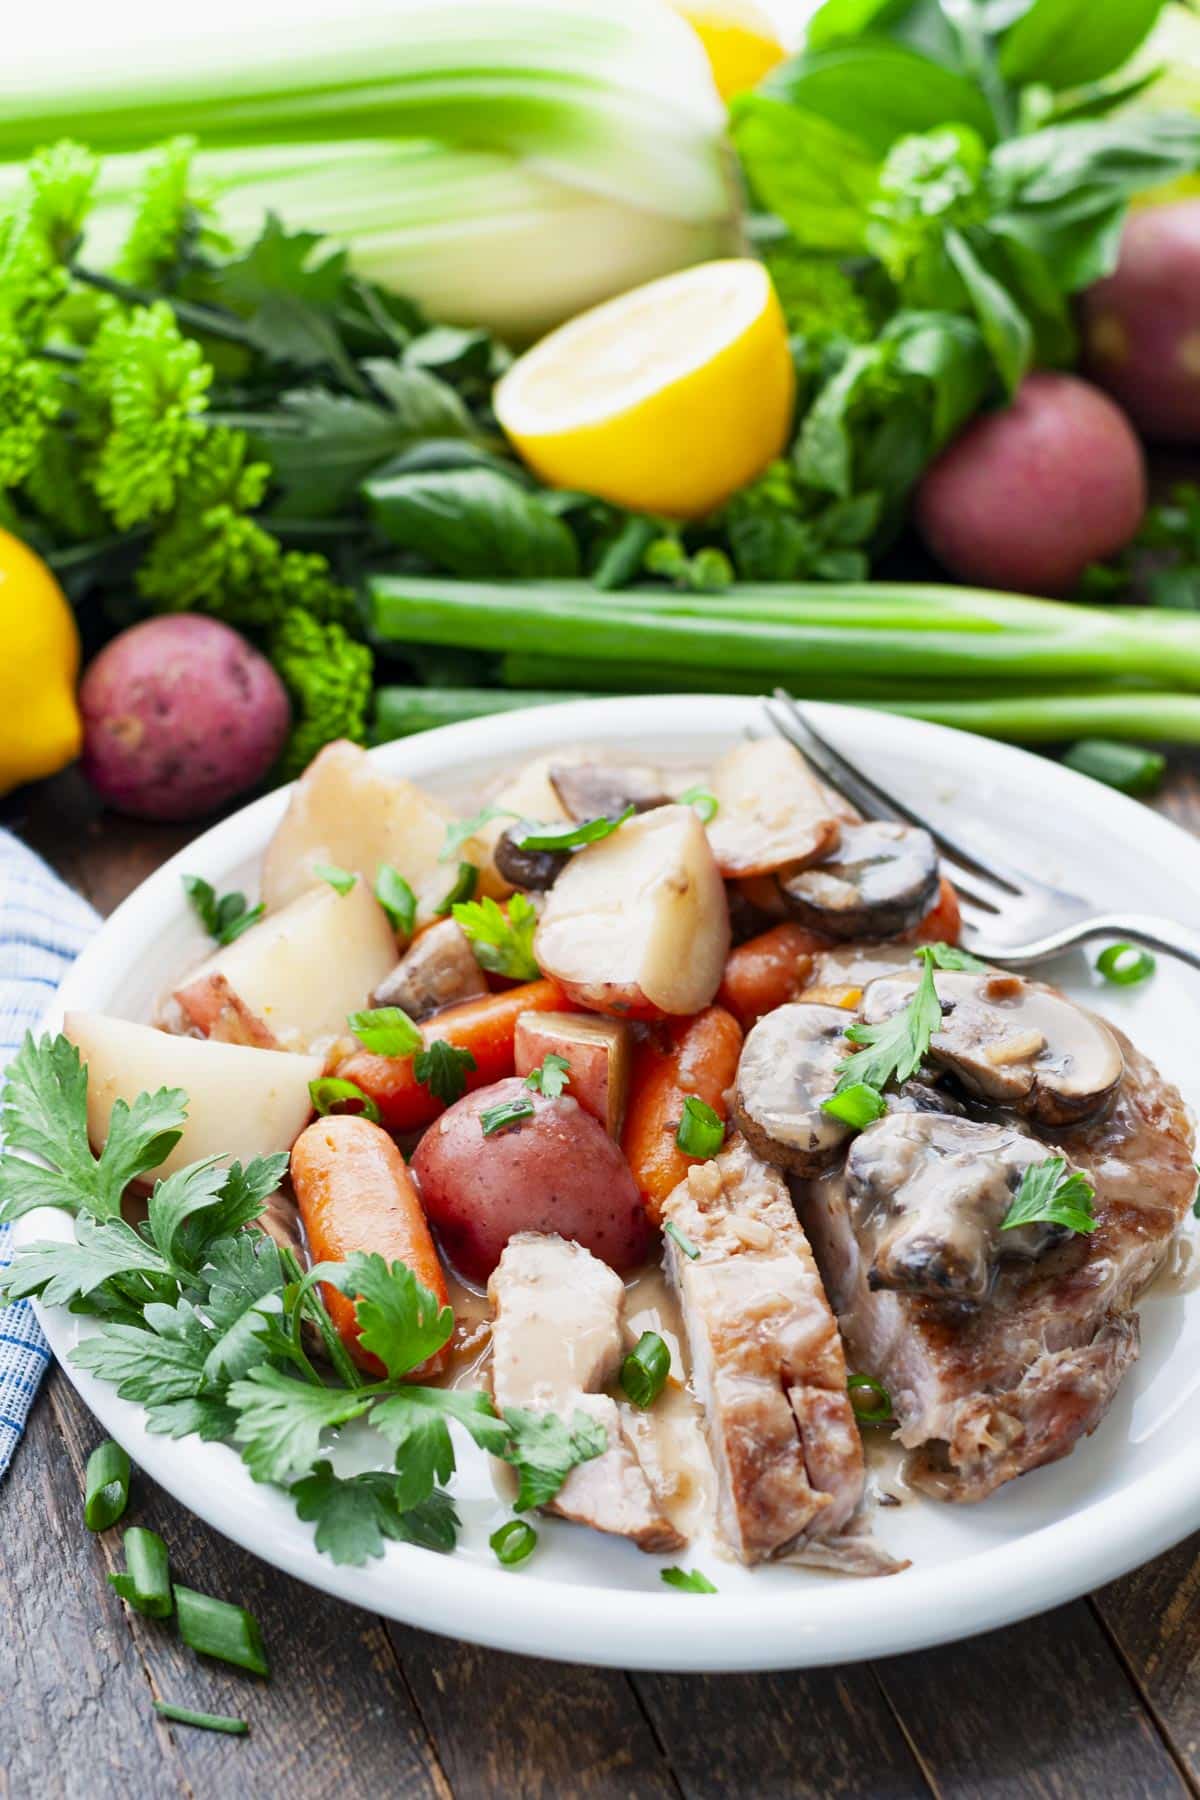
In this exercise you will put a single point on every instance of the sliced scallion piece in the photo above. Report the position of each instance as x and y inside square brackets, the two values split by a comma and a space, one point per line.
[105, 1486]
[146, 1582]
[386, 1031]
[644, 1371]
[465, 883]
[397, 899]
[514, 1543]
[1125, 965]
[701, 801]
[330, 1091]
[681, 1238]
[183, 1715]
[875, 1406]
[688, 1581]
[1127, 767]
[216, 1628]
[858, 1105]
[701, 1131]
[341, 880]
[498, 1118]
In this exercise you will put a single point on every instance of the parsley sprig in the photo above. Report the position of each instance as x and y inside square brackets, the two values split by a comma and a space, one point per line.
[502, 938]
[224, 916]
[894, 1050]
[1051, 1195]
[200, 1321]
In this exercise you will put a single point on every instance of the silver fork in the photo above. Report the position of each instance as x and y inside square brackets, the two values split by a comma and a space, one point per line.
[1009, 917]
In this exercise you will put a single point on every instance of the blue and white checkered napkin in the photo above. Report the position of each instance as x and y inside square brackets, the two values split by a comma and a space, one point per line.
[43, 927]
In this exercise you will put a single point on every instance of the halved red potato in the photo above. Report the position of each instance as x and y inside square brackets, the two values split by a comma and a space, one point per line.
[289, 981]
[347, 812]
[596, 1051]
[638, 924]
[241, 1102]
[771, 810]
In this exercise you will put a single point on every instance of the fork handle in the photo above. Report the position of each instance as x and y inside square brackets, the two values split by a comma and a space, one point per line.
[1145, 929]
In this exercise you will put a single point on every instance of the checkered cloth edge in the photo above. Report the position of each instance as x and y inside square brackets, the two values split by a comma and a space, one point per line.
[43, 927]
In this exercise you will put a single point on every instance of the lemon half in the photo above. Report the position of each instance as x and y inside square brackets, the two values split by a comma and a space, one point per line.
[739, 39]
[665, 400]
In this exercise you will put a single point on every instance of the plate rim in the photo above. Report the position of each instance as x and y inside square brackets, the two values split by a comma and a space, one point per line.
[608, 1625]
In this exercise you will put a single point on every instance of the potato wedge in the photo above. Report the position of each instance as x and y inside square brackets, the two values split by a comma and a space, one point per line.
[637, 924]
[529, 794]
[298, 972]
[347, 812]
[771, 810]
[241, 1102]
[598, 1053]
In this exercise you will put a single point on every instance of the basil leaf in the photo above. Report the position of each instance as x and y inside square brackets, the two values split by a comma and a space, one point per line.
[1068, 43]
[818, 178]
[472, 522]
[879, 92]
[1006, 330]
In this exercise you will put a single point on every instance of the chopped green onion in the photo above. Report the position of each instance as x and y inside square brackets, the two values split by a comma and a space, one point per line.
[225, 918]
[397, 899]
[183, 1715]
[462, 829]
[551, 1078]
[681, 1238]
[876, 1408]
[496, 1118]
[216, 1628]
[386, 1031]
[858, 1105]
[465, 883]
[644, 1371]
[571, 835]
[106, 1486]
[1125, 965]
[1127, 767]
[146, 1583]
[329, 1091]
[701, 1131]
[341, 879]
[514, 1543]
[688, 1581]
[702, 801]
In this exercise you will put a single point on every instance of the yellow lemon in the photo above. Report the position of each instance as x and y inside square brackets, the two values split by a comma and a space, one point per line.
[665, 400]
[739, 40]
[40, 727]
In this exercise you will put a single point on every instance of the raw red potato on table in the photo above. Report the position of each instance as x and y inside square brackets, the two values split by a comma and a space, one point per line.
[821, 1130]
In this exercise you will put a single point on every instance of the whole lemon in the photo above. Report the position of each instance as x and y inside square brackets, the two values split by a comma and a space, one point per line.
[40, 727]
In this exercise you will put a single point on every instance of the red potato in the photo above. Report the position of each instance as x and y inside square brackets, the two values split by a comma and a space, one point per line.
[1141, 324]
[180, 715]
[556, 1170]
[1026, 497]
[597, 1053]
[638, 924]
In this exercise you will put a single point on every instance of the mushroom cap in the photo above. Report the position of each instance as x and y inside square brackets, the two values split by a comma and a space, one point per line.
[880, 880]
[1013, 1042]
[594, 790]
[532, 870]
[928, 1193]
[788, 1067]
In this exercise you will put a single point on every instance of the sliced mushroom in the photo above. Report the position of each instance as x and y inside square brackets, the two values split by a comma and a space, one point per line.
[591, 790]
[437, 971]
[1013, 1042]
[532, 870]
[788, 1068]
[772, 812]
[928, 1193]
[879, 881]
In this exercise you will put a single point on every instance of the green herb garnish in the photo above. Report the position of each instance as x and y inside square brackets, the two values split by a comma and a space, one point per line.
[570, 835]
[1049, 1195]
[106, 1486]
[681, 1238]
[701, 802]
[857, 1105]
[443, 1068]
[700, 1131]
[551, 1078]
[497, 1118]
[397, 900]
[462, 829]
[688, 1581]
[225, 918]
[145, 1583]
[342, 880]
[216, 1628]
[1125, 964]
[386, 1031]
[184, 1715]
[502, 938]
[514, 1543]
[329, 1092]
[644, 1371]
[461, 892]
[875, 1406]
[950, 956]
[895, 1049]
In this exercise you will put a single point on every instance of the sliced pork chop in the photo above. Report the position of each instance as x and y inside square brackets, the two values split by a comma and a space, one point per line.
[766, 1359]
[556, 1340]
[984, 1393]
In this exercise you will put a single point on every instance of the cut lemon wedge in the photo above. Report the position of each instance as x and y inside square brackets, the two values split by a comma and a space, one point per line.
[665, 400]
[739, 40]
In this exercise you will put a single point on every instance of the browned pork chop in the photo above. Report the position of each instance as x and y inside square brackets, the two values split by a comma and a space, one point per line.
[556, 1340]
[985, 1393]
[767, 1363]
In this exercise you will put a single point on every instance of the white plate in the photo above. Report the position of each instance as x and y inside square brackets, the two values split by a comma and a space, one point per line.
[1129, 1492]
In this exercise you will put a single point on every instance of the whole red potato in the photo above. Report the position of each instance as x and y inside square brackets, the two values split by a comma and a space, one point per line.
[556, 1170]
[180, 714]
[1026, 497]
[1141, 324]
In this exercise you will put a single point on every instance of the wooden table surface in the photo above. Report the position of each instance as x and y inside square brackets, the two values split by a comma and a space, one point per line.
[1099, 1698]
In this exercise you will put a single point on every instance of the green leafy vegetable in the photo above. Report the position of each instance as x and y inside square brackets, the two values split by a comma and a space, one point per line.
[386, 1031]
[502, 938]
[570, 835]
[443, 1068]
[329, 1092]
[281, 1420]
[356, 1515]
[472, 522]
[700, 1131]
[498, 1118]
[397, 900]
[551, 1077]
[644, 1371]
[1049, 1194]
[543, 1449]
[226, 918]
[400, 1321]
[341, 880]
[950, 956]
[688, 1581]
[894, 1050]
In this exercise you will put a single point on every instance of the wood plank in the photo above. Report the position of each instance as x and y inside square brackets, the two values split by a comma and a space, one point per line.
[1041, 1709]
[795, 1736]
[518, 1726]
[335, 1718]
[1153, 1617]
